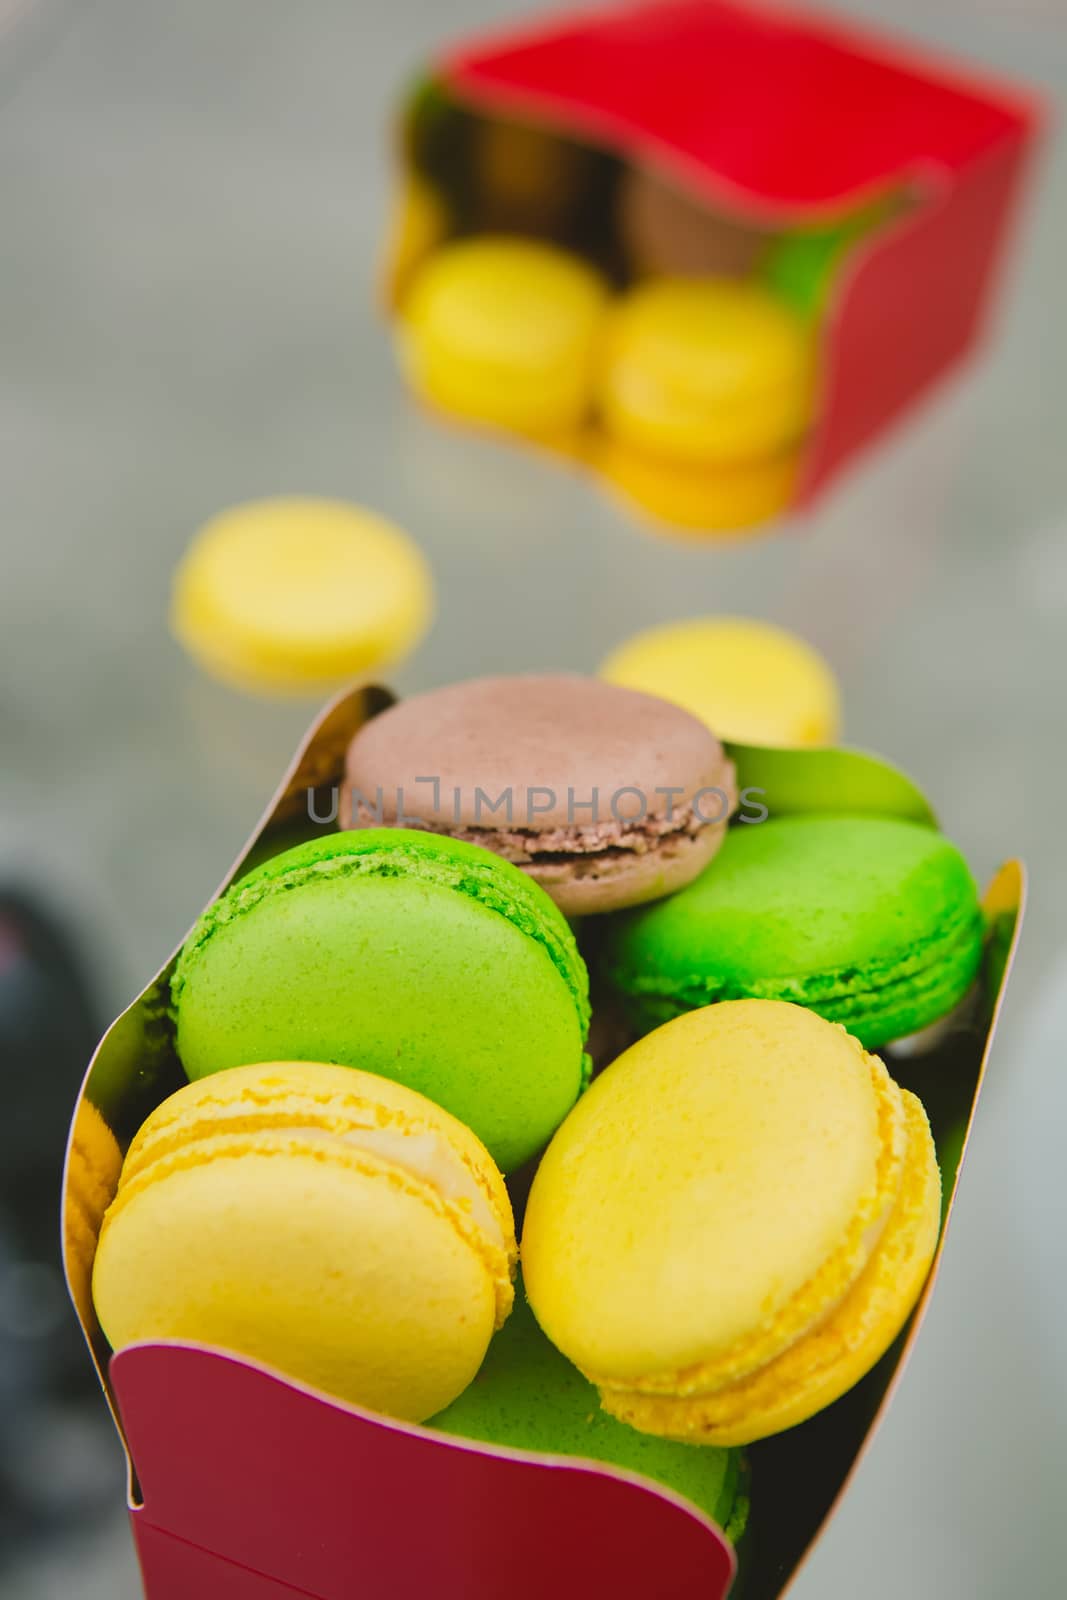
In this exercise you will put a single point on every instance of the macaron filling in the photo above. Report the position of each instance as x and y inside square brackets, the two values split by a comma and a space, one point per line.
[624, 836]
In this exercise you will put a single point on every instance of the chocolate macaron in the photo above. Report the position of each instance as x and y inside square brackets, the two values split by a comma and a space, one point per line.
[606, 796]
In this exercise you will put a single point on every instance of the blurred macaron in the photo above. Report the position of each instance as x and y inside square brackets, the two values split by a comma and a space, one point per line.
[505, 332]
[667, 233]
[298, 596]
[748, 680]
[706, 395]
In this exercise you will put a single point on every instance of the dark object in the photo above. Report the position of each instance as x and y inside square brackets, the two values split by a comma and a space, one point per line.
[48, 1028]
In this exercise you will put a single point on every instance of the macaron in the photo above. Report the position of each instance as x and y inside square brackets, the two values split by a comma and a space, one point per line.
[706, 393]
[697, 501]
[528, 1397]
[295, 596]
[419, 223]
[424, 959]
[666, 232]
[94, 1162]
[871, 921]
[734, 1224]
[326, 1222]
[505, 331]
[606, 797]
[751, 681]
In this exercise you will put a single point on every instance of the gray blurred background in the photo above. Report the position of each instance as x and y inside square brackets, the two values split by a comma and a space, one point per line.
[191, 204]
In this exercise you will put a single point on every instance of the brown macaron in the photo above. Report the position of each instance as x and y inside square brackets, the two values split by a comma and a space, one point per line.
[665, 232]
[605, 796]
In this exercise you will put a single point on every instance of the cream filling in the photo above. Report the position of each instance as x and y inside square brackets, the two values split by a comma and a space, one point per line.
[422, 1155]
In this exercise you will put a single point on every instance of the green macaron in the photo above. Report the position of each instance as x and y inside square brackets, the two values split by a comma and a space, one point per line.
[872, 922]
[419, 957]
[529, 1397]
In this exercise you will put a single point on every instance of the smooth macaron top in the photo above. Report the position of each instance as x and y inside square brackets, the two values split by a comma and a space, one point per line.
[419, 957]
[751, 681]
[563, 748]
[293, 594]
[873, 922]
[504, 330]
[708, 1226]
[706, 370]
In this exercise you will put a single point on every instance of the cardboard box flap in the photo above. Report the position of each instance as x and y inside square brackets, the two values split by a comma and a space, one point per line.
[330, 1499]
[741, 100]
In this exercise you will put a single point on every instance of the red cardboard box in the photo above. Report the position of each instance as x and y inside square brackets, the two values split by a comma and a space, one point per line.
[246, 1486]
[784, 120]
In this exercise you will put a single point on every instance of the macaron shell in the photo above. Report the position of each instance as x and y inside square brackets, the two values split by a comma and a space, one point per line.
[94, 1162]
[589, 787]
[330, 1102]
[505, 331]
[292, 595]
[829, 1360]
[550, 741]
[626, 1213]
[700, 498]
[329, 1266]
[748, 680]
[396, 953]
[529, 1397]
[705, 371]
[418, 224]
[871, 921]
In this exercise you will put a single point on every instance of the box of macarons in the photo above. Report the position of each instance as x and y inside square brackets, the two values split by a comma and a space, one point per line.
[529, 1175]
[635, 236]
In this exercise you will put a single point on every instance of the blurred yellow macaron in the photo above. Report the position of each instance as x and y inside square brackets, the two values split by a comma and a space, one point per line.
[297, 596]
[505, 331]
[332, 1224]
[733, 1224]
[690, 500]
[749, 681]
[94, 1162]
[706, 394]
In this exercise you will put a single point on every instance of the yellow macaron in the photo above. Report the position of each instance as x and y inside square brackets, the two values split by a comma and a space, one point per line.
[334, 1225]
[706, 371]
[706, 393]
[296, 596]
[418, 224]
[94, 1162]
[691, 499]
[734, 1223]
[505, 331]
[748, 680]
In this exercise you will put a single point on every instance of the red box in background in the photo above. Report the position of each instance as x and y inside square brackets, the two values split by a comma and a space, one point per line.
[787, 120]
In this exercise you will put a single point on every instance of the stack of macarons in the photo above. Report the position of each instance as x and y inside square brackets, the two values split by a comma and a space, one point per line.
[608, 310]
[385, 1030]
